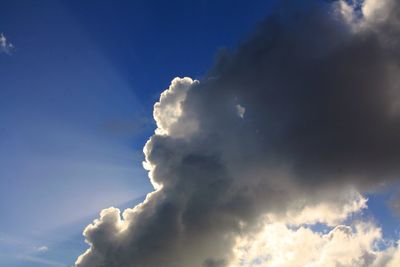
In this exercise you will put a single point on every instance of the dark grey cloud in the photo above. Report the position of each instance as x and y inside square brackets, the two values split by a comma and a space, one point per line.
[318, 88]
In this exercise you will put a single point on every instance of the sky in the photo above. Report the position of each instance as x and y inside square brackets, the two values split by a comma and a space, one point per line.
[77, 90]
[78, 82]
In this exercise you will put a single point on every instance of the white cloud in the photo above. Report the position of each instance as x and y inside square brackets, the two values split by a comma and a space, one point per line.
[372, 13]
[42, 249]
[5, 45]
[240, 111]
[277, 245]
[168, 110]
[329, 213]
[283, 244]
[376, 10]
[290, 241]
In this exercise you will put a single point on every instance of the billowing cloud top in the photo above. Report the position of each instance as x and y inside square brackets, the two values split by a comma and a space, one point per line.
[286, 132]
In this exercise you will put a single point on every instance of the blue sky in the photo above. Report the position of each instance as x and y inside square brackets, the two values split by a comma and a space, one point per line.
[76, 98]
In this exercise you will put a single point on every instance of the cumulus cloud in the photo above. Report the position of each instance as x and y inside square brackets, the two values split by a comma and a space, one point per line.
[168, 111]
[346, 246]
[320, 87]
[5, 46]
[328, 213]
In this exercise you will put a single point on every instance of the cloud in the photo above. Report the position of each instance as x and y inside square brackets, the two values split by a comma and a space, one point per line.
[240, 111]
[328, 213]
[168, 111]
[321, 93]
[5, 46]
[346, 246]
[42, 249]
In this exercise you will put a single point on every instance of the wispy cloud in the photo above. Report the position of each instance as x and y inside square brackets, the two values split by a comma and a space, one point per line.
[5, 46]
[25, 250]
[42, 249]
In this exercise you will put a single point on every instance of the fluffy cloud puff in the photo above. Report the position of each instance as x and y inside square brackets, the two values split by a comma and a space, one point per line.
[318, 91]
[277, 245]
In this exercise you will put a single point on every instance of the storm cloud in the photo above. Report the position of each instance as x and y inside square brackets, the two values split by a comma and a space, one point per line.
[290, 128]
